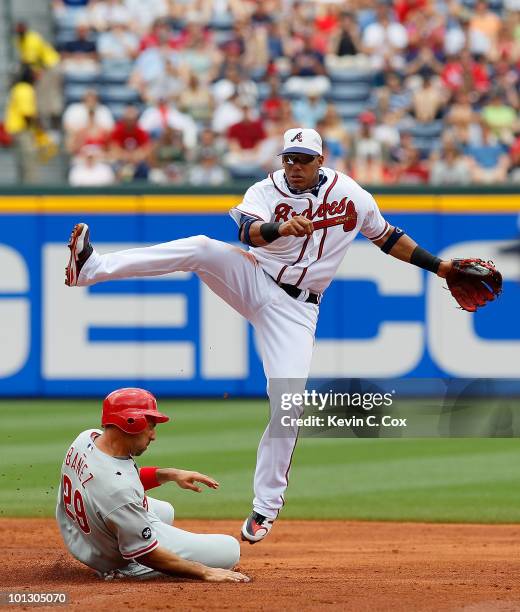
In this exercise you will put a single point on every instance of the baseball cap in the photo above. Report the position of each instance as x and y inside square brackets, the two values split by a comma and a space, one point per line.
[302, 140]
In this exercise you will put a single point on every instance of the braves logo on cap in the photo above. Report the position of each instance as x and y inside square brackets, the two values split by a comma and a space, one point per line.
[298, 137]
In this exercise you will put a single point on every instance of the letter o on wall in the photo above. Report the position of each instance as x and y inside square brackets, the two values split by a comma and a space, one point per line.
[14, 312]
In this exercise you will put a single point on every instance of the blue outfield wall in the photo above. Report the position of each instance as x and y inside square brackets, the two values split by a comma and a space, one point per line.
[379, 318]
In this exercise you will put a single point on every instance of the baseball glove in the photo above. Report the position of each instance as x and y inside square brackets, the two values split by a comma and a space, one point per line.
[473, 283]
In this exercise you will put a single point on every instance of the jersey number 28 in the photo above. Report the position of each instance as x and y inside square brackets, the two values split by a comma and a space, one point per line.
[76, 500]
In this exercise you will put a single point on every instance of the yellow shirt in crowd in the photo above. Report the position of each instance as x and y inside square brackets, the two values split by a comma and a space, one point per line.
[36, 52]
[21, 104]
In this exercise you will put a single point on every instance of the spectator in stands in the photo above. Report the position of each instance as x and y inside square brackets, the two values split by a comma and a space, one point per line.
[308, 111]
[271, 108]
[395, 97]
[159, 34]
[386, 132]
[335, 137]
[226, 114]
[196, 100]
[155, 119]
[514, 155]
[269, 148]
[80, 115]
[44, 60]
[117, 43]
[276, 40]
[244, 139]
[488, 160]
[89, 170]
[199, 55]
[346, 40]
[369, 170]
[448, 166]
[91, 135]
[485, 24]
[501, 118]
[130, 147]
[411, 169]
[462, 119]
[385, 41]
[428, 100]
[234, 82]
[143, 14]
[168, 158]
[465, 73]
[425, 61]
[346, 46]
[79, 56]
[308, 74]
[156, 73]
[222, 13]
[104, 14]
[365, 143]
[208, 171]
[210, 142]
[21, 117]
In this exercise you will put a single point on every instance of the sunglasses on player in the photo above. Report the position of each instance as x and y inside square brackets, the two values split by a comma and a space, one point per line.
[298, 158]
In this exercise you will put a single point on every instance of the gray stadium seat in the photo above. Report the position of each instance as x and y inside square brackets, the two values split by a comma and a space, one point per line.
[74, 92]
[350, 111]
[427, 130]
[349, 92]
[119, 94]
[344, 75]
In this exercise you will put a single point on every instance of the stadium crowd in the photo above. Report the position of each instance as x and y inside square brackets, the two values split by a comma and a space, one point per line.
[200, 91]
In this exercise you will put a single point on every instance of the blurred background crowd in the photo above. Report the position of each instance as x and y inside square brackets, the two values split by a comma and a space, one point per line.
[199, 92]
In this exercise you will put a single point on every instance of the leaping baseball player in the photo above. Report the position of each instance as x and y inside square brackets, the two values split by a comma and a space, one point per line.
[105, 517]
[298, 224]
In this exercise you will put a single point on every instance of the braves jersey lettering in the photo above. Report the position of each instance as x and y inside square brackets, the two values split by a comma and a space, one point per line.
[340, 210]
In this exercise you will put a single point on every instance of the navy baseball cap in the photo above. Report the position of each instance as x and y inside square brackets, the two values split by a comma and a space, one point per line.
[302, 140]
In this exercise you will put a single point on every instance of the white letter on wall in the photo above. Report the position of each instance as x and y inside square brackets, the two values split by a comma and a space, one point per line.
[69, 312]
[15, 324]
[451, 335]
[398, 347]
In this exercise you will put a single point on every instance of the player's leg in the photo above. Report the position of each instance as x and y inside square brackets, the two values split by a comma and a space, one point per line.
[285, 335]
[228, 270]
[213, 550]
[163, 510]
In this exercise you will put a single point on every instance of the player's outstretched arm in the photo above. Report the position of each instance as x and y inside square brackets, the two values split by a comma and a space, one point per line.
[186, 479]
[259, 233]
[472, 282]
[162, 560]
[396, 243]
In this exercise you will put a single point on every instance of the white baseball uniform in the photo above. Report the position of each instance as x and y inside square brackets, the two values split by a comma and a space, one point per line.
[284, 326]
[107, 521]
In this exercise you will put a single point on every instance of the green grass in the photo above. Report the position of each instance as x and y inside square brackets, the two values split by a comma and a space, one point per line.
[473, 480]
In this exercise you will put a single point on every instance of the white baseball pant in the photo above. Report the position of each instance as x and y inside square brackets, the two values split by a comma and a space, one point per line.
[284, 328]
[213, 550]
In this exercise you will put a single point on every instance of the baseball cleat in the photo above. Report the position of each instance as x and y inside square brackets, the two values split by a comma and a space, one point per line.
[80, 251]
[256, 527]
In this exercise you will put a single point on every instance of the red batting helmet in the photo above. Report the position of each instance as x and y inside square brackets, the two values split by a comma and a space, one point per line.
[128, 408]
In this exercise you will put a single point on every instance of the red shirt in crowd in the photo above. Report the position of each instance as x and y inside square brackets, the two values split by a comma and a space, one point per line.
[453, 76]
[247, 133]
[129, 137]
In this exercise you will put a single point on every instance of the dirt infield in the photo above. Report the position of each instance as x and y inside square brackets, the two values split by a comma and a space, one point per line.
[301, 565]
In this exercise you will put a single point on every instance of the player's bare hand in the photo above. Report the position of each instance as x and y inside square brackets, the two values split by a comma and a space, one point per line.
[297, 226]
[186, 479]
[223, 575]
